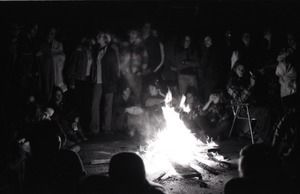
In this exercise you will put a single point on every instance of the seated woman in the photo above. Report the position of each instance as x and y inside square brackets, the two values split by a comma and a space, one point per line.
[190, 117]
[153, 101]
[66, 116]
[211, 120]
[241, 88]
[126, 112]
[215, 117]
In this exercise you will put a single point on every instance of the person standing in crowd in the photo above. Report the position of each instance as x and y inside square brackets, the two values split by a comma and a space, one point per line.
[227, 48]
[209, 69]
[245, 51]
[155, 50]
[287, 74]
[79, 78]
[186, 61]
[134, 62]
[26, 64]
[59, 58]
[110, 71]
[104, 76]
[46, 68]
[97, 81]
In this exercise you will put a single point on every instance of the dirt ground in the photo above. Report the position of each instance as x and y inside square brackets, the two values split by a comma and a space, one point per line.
[96, 152]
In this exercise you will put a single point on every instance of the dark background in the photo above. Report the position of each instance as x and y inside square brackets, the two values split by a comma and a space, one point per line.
[77, 18]
[77, 15]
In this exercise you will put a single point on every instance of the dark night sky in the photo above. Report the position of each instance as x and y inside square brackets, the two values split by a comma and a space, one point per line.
[175, 12]
[75, 17]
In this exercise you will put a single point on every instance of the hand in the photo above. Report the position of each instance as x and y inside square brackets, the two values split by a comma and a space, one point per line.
[252, 81]
[126, 110]
[155, 70]
[160, 93]
[74, 126]
[144, 66]
[72, 87]
[38, 54]
[76, 119]
[212, 97]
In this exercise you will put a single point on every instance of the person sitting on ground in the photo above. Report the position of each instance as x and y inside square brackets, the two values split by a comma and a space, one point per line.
[153, 102]
[66, 116]
[45, 141]
[215, 120]
[190, 116]
[50, 167]
[260, 171]
[128, 175]
[126, 110]
[69, 171]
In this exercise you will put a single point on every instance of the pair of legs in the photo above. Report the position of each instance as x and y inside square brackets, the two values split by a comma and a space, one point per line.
[213, 130]
[185, 81]
[97, 93]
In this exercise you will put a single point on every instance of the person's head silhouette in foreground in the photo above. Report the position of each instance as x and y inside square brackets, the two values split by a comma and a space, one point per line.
[127, 173]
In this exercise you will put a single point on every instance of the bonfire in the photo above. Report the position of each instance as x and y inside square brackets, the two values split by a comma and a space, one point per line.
[175, 145]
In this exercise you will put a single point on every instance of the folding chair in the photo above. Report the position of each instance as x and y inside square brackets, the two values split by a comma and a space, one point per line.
[236, 109]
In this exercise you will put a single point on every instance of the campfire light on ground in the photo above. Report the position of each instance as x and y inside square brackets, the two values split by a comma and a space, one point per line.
[175, 144]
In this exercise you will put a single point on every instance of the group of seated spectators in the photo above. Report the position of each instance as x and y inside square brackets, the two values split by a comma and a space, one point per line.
[50, 168]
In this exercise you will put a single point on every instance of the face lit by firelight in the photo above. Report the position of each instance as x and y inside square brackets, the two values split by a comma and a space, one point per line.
[190, 98]
[153, 90]
[240, 70]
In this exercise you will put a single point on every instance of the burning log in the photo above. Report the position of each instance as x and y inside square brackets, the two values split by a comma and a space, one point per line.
[100, 161]
[203, 184]
[221, 163]
[157, 177]
[187, 171]
[208, 168]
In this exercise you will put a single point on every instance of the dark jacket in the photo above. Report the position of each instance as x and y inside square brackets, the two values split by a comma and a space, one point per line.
[109, 67]
[77, 68]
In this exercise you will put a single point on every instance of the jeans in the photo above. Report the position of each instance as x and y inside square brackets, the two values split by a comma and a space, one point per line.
[95, 108]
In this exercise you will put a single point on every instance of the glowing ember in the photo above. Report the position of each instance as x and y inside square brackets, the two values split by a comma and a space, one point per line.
[174, 144]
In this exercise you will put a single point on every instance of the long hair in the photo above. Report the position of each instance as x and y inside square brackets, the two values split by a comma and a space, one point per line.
[241, 81]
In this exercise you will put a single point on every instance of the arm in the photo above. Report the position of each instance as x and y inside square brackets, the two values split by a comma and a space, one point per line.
[206, 106]
[153, 101]
[115, 65]
[194, 61]
[145, 61]
[162, 54]
[71, 71]
[239, 94]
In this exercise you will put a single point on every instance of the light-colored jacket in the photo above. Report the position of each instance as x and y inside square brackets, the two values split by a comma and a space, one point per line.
[287, 78]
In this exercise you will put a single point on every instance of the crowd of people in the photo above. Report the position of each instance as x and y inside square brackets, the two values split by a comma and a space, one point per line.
[106, 85]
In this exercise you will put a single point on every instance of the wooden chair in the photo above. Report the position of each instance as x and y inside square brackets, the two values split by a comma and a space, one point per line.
[236, 109]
